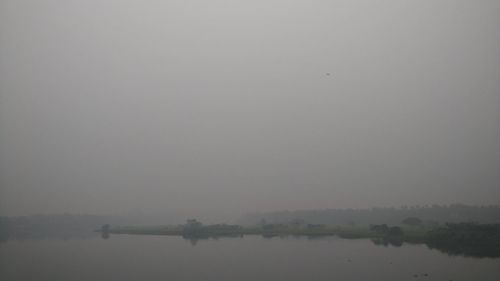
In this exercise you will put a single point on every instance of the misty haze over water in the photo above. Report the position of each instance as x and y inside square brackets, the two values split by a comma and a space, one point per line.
[219, 108]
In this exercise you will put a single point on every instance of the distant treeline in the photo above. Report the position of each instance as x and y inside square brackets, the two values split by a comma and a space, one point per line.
[430, 215]
[50, 226]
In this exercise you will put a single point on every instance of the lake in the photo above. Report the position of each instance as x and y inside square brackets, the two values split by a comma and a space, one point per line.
[151, 258]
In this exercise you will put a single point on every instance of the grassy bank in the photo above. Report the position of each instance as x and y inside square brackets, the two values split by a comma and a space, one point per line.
[467, 239]
[351, 232]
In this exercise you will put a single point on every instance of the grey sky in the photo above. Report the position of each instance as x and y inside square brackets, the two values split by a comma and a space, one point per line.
[216, 108]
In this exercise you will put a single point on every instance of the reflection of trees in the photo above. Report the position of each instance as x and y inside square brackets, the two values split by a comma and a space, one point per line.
[457, 249]
[462, 239]
[386, 241]
[4, 229]
[193, 241]
[105, 231]
[466, 239]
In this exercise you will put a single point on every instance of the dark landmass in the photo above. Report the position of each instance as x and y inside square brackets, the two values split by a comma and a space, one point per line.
[478, 238]
[195, 229]
[465, 239]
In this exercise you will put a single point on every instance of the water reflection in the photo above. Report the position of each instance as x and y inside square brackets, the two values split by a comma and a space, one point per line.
[386, 241]
[477, 250]
[464, 250]
[293, 258]
[456, 249]
[105, 231]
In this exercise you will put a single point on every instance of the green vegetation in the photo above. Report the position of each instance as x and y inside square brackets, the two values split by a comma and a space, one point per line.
[457, 239]
[147, 230]
[193, 228]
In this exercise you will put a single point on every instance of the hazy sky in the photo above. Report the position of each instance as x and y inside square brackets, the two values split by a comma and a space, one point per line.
[216, 108]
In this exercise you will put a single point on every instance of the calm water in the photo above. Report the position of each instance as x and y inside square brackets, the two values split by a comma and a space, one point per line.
[148, 258]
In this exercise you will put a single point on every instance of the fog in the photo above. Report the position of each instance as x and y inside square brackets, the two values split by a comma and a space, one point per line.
[217, 108]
